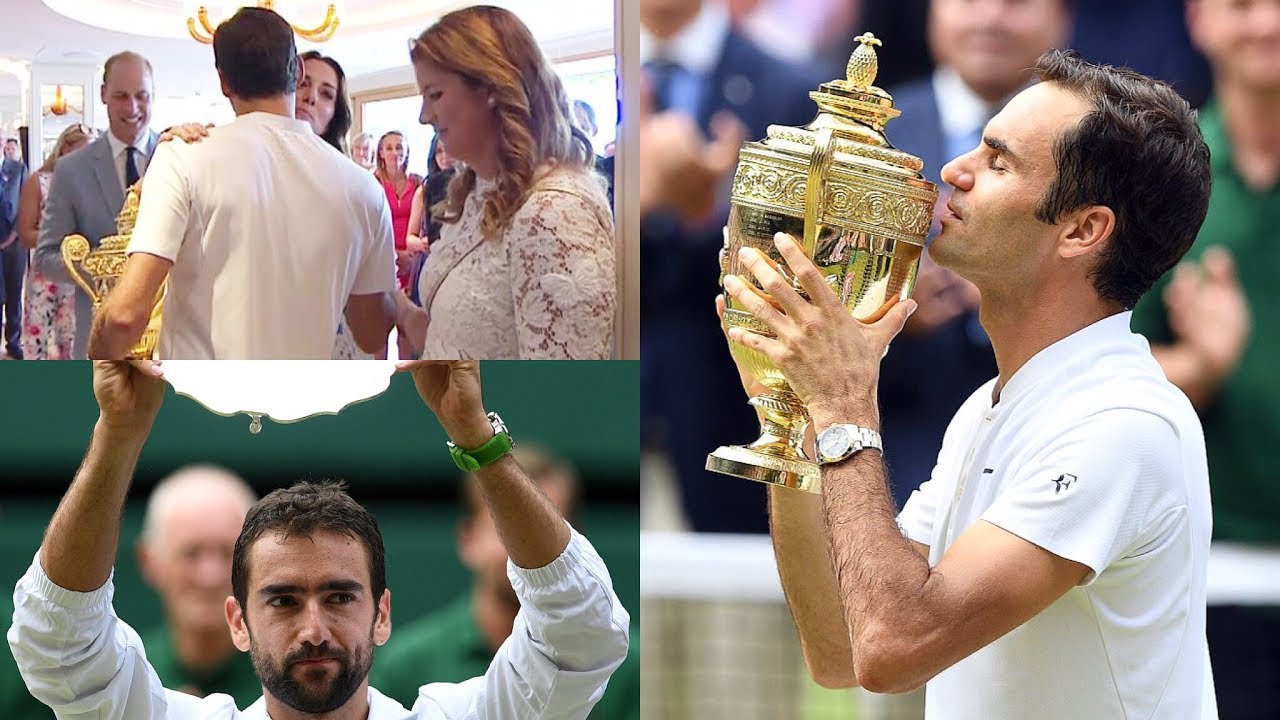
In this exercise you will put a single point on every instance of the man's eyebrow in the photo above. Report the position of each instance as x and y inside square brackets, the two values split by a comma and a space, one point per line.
[1001, 147]
[292, 589]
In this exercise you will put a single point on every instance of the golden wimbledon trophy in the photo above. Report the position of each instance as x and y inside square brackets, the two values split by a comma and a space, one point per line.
[862, 210]
[96, 271]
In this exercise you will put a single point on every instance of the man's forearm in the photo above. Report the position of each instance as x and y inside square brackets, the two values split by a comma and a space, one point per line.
[79, 547]
[531, 528]
[809, 584]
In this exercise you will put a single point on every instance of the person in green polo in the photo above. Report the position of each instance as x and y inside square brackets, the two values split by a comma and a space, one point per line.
[189, 532]
[1214, 325]
[458, 641]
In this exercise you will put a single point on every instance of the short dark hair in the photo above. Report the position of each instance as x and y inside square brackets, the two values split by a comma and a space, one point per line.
[255, 54]
[340, 123]
[302, 511]
[1138, 152]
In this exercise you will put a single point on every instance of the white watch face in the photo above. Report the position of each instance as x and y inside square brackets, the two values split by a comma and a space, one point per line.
[834, 442]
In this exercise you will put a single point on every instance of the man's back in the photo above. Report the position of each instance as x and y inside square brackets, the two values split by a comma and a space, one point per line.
[270, 231]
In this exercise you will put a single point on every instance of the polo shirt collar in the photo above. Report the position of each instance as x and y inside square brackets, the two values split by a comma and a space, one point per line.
[1065, 355]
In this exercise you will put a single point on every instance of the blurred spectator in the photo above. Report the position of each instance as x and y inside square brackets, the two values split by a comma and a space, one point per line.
[49, 306]
[13, 255]
[459, 641]
[193, 518]
[902, 26]
[1217, 334]
[703, 77]
[362, 151]
[399, 185]
[586, 119]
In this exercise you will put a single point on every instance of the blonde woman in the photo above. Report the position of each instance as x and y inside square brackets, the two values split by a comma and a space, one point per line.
[525, 263]
[49, 322]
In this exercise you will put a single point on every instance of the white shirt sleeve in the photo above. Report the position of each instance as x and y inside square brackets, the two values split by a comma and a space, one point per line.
[377, 270]
[569, 637]
[166, 206]
[916, 518]
[81, 660]
[1095, 490]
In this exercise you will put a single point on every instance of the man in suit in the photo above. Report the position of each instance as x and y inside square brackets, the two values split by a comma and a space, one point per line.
[13, 257]
[704, 77]
[88, 187]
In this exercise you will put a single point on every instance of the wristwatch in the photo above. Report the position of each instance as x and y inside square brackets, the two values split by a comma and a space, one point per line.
[493, 449]
[839, 442]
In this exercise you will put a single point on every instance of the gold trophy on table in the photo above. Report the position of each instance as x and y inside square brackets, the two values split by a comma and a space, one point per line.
[862, 210]
[96, 270]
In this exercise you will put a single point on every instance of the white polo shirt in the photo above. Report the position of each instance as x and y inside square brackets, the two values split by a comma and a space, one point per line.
[1093, 455]
[270, 230]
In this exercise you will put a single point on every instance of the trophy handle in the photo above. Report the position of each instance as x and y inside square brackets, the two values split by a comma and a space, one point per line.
[819, 169]
[75, 248]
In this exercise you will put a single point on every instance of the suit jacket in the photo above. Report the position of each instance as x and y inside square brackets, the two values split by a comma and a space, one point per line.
[13, 173]
[85, 197]
[679, 263]
[919, 129]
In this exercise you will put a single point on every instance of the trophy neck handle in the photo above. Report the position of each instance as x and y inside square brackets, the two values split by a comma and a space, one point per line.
[819, 171]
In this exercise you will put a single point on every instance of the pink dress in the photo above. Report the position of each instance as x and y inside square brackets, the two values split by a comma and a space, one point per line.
[401, 206]
[49, 318]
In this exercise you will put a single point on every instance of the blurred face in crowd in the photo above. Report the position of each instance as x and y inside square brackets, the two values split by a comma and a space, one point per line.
[186, 554]
[391, 152]
[459, 111]
[997, 188]
[309, 622]
[362, 151]
[10, 149]
[1241, 38]
[127, 91]
[992, 44]
[664, 18]
[480, 547]
[317, 95]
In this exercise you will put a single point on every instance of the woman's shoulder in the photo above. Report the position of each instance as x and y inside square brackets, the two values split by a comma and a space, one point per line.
[561, 185]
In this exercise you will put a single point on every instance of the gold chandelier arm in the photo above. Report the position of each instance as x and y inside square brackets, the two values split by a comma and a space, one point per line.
[325, 29]
[195, 34]
[203, 14]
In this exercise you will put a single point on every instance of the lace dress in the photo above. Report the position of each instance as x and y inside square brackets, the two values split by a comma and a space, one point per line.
[49, 317]
[546, 289]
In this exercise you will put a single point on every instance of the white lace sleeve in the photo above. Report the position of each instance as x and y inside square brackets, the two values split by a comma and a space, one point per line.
[562, 276]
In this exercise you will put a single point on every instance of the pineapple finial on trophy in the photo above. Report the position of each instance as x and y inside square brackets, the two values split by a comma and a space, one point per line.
[861, 71]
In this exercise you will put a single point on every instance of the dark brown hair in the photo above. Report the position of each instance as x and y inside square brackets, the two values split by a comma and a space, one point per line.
[1138, 152]
[340, 123]
[255, 54]
[302, 511]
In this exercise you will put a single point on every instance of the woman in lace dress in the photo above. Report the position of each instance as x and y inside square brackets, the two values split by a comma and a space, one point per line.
[49, 320]
[525, 263]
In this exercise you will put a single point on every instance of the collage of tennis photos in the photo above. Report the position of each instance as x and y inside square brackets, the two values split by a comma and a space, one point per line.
[639, 359]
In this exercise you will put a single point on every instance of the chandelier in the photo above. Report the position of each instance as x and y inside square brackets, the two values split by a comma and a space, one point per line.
[202, 30]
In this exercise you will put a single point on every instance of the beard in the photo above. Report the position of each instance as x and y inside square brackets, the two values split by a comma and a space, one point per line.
[311, 697]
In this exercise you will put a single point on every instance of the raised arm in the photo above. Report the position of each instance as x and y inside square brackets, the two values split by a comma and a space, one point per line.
[74, 653]
[571, 632]
[79, 546]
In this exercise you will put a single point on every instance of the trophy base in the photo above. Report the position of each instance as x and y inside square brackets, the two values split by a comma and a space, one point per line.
[746, 463]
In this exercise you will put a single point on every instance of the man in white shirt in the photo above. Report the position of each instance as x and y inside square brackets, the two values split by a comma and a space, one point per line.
[309, 598]
[1054, 566]
[264, 231]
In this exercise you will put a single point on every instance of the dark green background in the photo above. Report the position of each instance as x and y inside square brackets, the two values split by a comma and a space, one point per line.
[390, 450]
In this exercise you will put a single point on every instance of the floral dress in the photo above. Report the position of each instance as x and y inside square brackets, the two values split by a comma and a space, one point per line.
[49, 320]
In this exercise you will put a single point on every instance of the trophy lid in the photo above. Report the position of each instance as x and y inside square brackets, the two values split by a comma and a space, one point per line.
[856, 111]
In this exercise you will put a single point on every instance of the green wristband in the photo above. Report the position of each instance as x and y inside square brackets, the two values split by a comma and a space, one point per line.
[491, 451]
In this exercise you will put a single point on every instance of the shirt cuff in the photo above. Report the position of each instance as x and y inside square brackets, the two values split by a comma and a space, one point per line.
[557, 570]
[40, 585]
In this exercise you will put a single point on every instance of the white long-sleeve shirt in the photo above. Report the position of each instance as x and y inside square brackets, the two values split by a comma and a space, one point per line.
[82, 660]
